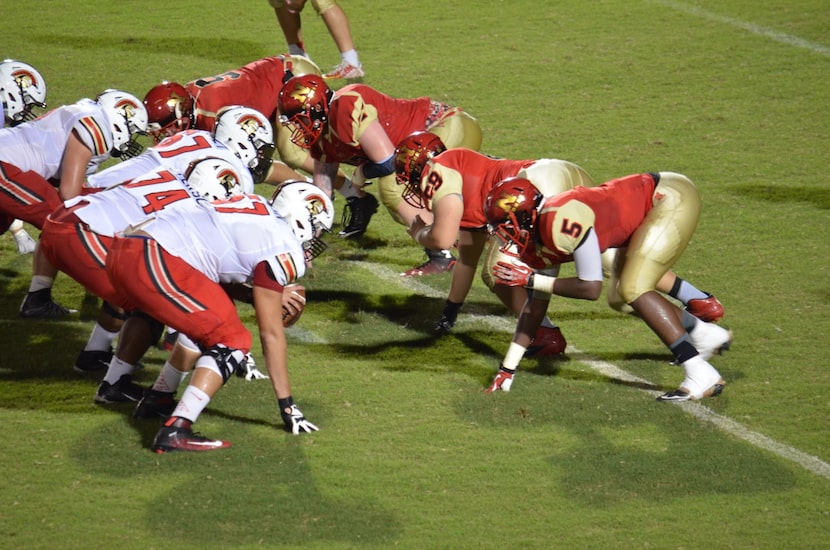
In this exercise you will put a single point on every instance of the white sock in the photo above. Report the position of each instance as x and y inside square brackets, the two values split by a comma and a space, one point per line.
[296, 49]
[192, 403]
[351, 58]
[39, 282]
[100, 339]
[169, 379]
[117, 369]
[348, 189]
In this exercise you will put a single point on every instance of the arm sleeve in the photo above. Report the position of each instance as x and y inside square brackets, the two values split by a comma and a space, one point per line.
[588, 259]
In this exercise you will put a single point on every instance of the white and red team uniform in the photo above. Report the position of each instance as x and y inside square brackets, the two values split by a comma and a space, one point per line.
[77, 236]
[174, 153]
[174, 276]
[256, 85]
[31, 155]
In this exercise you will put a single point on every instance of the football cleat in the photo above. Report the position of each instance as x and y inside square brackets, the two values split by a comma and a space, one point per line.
[345, 70]
[156, 404]
[438, 261]
[93, 360]
[547, 341]
[702, 380]
[356, 216]
[39, 305]
[172, 438]
[444, 325]
[123, 391]
[707, 309]
[710, 339]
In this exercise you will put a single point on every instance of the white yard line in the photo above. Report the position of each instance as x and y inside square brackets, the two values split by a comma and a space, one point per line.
[758, 30]
[503, 324]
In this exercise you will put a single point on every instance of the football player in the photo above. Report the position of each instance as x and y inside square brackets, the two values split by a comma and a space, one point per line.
[452, 185]
[173, 107]
[649, 216]
[63, 146]
[170, 267]
[361, 126]
[243, 138]
[22, 88]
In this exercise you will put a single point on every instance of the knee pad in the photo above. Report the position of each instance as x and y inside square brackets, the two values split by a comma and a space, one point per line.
[227, 360]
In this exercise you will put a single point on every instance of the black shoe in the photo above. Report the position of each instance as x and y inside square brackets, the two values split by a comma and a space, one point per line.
[123, 391]
[39, 305]
[93, 360]
[155, 404]
[171, 438]
[356, 215]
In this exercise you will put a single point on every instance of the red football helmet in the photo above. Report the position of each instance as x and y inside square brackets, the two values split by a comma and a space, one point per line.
[303, 103]
[411, 157]
[170, 110]
[511, 210]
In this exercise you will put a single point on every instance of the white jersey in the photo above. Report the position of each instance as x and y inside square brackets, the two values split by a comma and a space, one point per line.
[226, 240]
[112, 210]
[174, 153]
[38, 145]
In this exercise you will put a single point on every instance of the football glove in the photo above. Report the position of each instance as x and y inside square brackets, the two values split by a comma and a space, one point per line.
[502, 381]
[513, 274]
[249, 371]
[295, 422]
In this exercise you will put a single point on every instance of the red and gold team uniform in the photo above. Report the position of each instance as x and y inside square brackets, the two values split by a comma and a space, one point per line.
[174, 274]
[356, 106]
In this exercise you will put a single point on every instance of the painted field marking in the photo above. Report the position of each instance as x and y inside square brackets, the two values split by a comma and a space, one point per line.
[502, 324]
[758, 30]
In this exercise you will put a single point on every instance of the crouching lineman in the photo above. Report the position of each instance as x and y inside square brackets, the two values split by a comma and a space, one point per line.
[649, 217]
[170, 267]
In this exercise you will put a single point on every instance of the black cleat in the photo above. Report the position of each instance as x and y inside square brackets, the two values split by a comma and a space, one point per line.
[172, 438]
[39, 305]
[123, 391]
[356, 215]
[155, 404]
[93, 360]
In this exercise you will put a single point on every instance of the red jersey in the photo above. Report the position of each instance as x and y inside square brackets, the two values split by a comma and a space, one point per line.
[256, 85]
[353, 108]
[470, 174]
[613, 210]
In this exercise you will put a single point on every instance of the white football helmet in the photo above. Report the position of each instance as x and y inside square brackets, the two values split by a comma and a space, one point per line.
[21, 88]
[128, 118]
[213, 178]
[249, 135]
[309, 212]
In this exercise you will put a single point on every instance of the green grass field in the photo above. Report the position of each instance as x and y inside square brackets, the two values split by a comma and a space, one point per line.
[411, 453]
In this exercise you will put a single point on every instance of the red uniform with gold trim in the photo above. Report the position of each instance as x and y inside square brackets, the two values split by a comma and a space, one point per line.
[174, 275]
[31, 157]
[470, 174]
[353, 108]
[613, 211]
[256, 85]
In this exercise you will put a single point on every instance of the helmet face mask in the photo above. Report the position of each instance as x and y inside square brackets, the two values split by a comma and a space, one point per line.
[128, 119]
[213, 178]
[309, 212]
[249, 135]
[303, 104]
[511, 209]
[169, 110]
[21, 89]
[411, 157]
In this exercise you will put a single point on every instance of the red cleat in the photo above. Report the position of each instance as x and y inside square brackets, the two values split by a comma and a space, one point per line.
[706, 309]
[548, 341]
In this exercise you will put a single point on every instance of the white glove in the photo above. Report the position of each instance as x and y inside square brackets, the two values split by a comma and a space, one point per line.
[247, 370]
[295, 422]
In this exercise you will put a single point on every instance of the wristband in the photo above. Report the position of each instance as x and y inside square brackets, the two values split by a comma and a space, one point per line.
[542, 283]
[285, 403]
